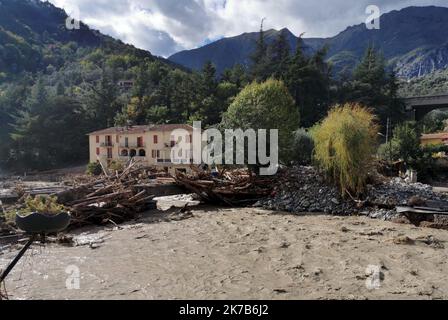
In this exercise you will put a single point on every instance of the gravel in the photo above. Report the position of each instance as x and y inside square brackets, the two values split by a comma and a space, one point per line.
[304, 190]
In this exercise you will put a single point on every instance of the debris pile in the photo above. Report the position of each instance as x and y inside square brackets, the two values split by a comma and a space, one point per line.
[382, 199]
[232, 187]
[113, 199]
[303, 190]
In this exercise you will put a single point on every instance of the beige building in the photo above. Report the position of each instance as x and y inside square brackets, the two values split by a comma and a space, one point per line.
[150, 145]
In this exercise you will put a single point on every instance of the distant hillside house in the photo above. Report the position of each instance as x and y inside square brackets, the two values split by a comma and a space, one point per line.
[434, 138]
[126, 84]
[151, 145]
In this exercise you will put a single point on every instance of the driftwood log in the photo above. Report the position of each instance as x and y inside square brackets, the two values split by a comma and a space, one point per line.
[110, 199]
[232, 188]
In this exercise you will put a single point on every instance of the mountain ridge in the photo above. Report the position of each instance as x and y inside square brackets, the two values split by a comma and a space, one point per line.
[413, 40]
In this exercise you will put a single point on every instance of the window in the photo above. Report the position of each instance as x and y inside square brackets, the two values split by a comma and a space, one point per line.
[155, 139]
[126, 142]
[97, 139]
[97, 151]
[140, 142]
[155, 154]
[117, 139]
[109, 153]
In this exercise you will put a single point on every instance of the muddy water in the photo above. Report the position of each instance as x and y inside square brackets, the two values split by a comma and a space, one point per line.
[216, 253]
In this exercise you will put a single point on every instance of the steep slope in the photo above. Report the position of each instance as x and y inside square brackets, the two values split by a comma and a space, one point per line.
[227, 52]
[33, 37]
[414, 40]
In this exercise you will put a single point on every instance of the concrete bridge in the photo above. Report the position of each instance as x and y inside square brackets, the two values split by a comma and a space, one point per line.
[418, 107]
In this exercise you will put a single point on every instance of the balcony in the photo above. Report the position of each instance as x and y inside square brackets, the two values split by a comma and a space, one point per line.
[106, 144]
[132, 146]
[137, 158]
[163, 161]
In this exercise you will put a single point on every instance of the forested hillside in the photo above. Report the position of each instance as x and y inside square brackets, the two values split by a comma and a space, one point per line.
[431, 84]
[60, 84]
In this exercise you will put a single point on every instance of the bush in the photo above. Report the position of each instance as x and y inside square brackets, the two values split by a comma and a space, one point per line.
[94, 169]
[116, 166]
[406, 142]
[434, 121]
[388, 151]
[41, 204]
[303, 147]
[344, 144]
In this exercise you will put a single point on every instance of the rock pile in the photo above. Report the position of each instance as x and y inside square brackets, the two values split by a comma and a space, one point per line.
[304, 190]
[383, 198]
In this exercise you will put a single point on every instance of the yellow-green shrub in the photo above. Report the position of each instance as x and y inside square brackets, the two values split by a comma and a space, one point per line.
[94, 169]
[116, 166]
[42, 204]
[344, 144]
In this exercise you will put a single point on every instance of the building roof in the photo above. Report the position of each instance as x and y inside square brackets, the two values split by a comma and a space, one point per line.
[430, 136]
[141, 129]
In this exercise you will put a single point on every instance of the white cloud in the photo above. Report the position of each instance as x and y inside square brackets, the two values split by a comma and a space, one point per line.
[166, 26]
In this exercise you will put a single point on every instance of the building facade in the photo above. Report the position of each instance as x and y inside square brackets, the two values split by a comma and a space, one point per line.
[434, 138]
[150, 145]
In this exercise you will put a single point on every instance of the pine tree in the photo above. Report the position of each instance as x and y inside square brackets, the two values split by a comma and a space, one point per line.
[208, 79]
[374, 87]
[308, 81]
[396, 110]
[279, 52]
[370, 79]
[103, 100]
[260, 62]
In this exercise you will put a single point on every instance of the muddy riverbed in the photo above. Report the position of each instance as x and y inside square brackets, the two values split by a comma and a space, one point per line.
[217, 253]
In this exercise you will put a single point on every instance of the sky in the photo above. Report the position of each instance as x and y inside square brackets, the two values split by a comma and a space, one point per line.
[165, 27]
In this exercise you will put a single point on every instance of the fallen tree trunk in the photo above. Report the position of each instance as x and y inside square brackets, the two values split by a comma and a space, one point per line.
[230, 188]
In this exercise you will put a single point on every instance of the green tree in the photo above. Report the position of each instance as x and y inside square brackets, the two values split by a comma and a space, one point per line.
[278, 55]
[303, 147]
[308, 81]
[434, 121]
[50, 136]
[374, 87]
[406, 142]
[142, 83]
[260, 62]
[266, 105]
[102, 99]
[208, 79]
